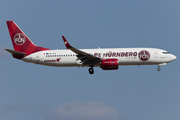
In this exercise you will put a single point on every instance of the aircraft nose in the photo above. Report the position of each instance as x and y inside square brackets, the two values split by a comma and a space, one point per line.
[173, 57]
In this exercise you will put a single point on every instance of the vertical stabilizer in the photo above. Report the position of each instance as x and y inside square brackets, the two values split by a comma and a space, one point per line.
[20, 41]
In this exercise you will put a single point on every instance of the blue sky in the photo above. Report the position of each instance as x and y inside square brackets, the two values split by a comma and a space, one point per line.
[29, 91]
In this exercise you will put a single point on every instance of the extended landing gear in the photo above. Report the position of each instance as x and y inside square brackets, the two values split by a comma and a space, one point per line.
[91, 70]
[158, 69]
[160, 65]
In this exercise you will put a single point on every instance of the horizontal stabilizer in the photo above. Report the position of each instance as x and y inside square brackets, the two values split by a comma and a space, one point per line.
[16, 54]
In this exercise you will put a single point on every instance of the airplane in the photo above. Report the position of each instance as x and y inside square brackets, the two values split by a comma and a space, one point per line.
[106, 58]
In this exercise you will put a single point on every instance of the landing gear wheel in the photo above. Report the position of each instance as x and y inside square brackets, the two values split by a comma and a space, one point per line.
[91, 70]
[158, 69]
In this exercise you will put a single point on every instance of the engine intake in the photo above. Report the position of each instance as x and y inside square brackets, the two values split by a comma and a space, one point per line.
[110, 64]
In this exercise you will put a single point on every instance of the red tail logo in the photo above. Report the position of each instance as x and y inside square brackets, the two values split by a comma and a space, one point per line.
[20, 41]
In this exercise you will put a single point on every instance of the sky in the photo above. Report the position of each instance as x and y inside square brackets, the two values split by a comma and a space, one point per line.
[34, 92]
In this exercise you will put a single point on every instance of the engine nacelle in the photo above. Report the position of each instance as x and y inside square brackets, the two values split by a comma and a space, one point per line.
[109, 64]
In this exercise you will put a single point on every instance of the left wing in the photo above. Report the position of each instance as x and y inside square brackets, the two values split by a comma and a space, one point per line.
[86, 59]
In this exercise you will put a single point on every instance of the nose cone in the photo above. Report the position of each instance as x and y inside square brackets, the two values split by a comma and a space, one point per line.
[173, 57]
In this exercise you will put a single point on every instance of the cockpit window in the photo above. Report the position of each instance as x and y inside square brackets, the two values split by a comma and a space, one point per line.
[165, 52]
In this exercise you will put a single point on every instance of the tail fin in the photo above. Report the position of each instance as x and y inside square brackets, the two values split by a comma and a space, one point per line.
[20, 41]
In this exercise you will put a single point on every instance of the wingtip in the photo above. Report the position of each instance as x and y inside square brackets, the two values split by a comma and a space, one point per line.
[66, 43]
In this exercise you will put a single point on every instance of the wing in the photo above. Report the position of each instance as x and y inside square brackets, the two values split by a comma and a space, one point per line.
[86, 58]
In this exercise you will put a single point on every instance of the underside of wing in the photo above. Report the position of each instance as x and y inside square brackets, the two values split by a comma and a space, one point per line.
[86, 58]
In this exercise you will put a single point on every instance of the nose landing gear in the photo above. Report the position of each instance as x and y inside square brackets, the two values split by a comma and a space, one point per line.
[91, 70]
[158, 69]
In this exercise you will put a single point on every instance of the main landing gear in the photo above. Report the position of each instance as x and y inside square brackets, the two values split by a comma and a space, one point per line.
[91, 70]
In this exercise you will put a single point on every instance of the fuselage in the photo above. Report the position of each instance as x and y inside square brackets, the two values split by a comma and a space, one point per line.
[125, 56]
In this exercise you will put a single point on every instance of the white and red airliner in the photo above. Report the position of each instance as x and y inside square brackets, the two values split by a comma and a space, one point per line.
[107, 59]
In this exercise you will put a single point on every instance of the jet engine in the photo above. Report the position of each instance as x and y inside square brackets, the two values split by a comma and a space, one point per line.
[109, 64]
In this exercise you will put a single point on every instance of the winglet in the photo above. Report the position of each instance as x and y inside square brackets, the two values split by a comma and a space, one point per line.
[68, 46]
